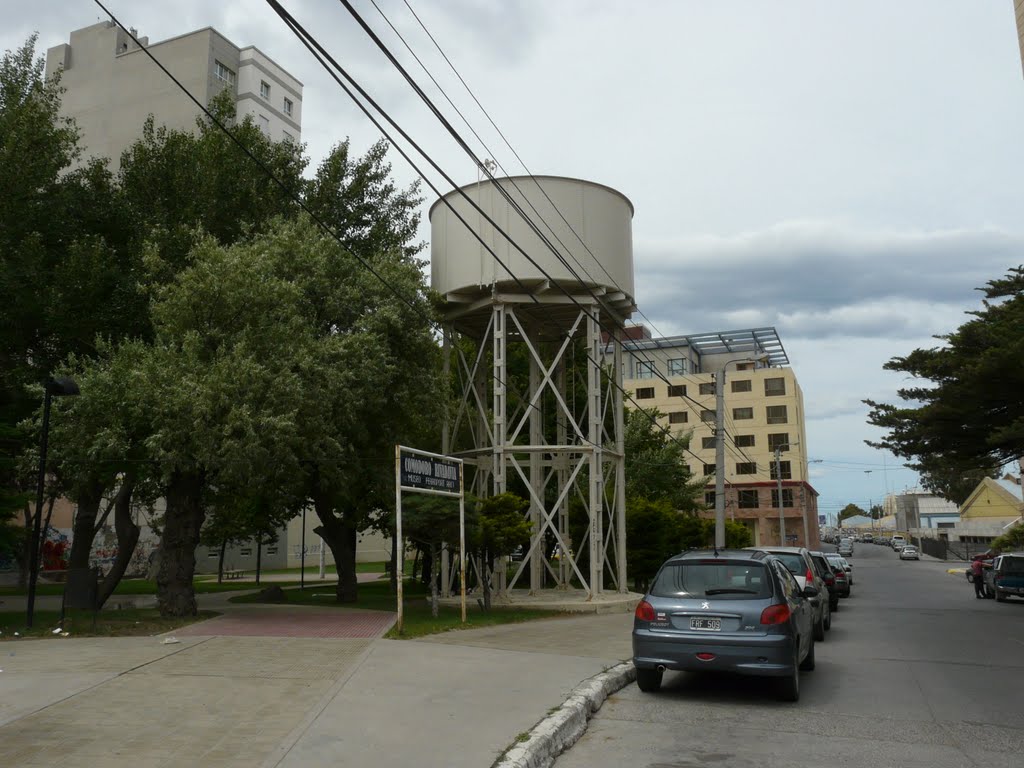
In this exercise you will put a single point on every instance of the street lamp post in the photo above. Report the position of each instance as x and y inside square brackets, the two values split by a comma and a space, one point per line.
[782, 513]
[62, 387]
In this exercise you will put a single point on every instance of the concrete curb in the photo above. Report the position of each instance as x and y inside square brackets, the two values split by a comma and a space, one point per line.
[563, 727]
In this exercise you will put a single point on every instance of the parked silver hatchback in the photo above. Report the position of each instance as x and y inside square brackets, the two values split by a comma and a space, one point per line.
[729, 611]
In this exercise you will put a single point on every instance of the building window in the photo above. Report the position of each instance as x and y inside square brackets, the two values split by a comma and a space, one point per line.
[777, 414]
[288, 107]
[746, 468]
[265, 89]
[787, 497]
[708, 416]
[784, 470]
[709, 498]
[747, 499]
[265, 125]
[778, 440]
[743, 413]
[677, 367]
[774, 387]
[707, 389]
[645, 370]
[677, 390]
[287, 136]
[707, 442]
[742, 385]
[645, 393]
[745, 366]
[223, 74]
[709, 469]
[245, 552]
[213, 553]
[677, 417]
[744, 441]
[271, 550]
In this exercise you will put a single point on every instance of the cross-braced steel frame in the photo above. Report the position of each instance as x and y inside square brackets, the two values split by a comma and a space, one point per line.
[544, 440]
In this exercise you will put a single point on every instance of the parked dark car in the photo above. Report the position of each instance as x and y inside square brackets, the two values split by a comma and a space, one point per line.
[842, 576]
[798, 561]
[725, 611]
[1006, 577]
[828, 577]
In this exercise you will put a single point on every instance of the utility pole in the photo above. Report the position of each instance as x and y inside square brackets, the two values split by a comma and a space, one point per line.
[778, 480]
[720, 459]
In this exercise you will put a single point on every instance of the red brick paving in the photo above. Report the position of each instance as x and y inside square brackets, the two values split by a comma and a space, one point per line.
[295, 622]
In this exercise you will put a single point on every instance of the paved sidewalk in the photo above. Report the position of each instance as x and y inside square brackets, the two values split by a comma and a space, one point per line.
[225, 700]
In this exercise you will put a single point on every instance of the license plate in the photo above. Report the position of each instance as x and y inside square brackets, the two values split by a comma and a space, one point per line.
[708, 625]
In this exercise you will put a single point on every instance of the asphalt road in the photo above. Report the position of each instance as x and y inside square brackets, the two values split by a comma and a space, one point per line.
[915, 672]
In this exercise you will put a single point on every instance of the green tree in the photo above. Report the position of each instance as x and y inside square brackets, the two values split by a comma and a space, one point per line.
[850, 510]
[431, 521]
[503, 527]
[654, 532]
[967, 414]
[1010, 541]
[656, 468]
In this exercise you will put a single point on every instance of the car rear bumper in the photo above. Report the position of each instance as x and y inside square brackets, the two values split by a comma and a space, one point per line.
[767, 655]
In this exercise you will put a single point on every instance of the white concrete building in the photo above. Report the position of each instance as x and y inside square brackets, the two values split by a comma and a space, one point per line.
[112, 86]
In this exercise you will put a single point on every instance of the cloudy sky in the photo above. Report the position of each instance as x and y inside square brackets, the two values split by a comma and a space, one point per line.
[845, 172]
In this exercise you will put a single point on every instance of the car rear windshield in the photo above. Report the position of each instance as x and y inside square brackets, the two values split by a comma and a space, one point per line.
[822, 564]
[1012, 566]
[793, 562]
[713, 578]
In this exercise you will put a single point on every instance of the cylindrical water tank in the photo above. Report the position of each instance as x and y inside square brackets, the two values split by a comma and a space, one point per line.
[568, 211]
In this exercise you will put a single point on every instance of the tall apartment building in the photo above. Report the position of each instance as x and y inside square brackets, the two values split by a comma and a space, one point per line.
[764, 409]
[112, 86]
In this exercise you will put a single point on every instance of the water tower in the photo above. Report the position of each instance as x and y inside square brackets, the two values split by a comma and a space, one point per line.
[538, 413]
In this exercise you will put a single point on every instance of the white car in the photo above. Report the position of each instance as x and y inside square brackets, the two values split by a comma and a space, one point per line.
[909, 552]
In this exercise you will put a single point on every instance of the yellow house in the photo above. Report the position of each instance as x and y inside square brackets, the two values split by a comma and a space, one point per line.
[992, 501]
[992, 507]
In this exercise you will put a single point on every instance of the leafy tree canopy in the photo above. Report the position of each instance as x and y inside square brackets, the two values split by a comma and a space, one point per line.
[966, 417]
[656, 468]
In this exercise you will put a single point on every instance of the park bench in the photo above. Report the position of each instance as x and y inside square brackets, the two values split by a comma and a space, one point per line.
[233, 573]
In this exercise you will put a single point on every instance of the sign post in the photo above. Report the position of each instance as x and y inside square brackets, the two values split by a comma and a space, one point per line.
[438, 475]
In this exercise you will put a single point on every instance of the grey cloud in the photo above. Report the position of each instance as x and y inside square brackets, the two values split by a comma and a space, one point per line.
[818, 279]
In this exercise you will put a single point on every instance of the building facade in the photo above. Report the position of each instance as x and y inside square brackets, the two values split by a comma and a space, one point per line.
[763, 410]
[112, 86]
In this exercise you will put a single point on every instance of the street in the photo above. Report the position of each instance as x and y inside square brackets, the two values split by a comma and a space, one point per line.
[915, 672]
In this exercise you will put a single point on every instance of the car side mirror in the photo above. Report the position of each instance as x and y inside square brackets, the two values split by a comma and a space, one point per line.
[810, 591]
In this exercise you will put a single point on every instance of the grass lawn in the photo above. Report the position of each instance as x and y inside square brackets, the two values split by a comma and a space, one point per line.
[202, 585]
[129, 622]
[373, 566]
[377, 596]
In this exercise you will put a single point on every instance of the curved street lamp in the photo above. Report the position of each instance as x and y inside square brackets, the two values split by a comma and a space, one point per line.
[60, 387]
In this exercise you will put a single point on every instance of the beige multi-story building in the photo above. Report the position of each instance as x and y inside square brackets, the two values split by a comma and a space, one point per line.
[764, 410]
[112, 86]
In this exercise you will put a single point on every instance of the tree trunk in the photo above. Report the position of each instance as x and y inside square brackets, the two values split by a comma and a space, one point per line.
[259, 557]
[175, 595]
[486, 576]
[341, 538]
[24, 549]
[394, 562]
[127, 539]
[428, 565]
[220, 561]
[77, 589]
[434, 562]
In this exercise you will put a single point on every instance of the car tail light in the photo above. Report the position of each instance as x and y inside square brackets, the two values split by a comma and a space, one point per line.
[706, 656]
[775, 614]
[829, 579]
[809, 576]
[644, 611]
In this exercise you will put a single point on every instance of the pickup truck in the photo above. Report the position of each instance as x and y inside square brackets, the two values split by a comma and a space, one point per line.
[1006, 577]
